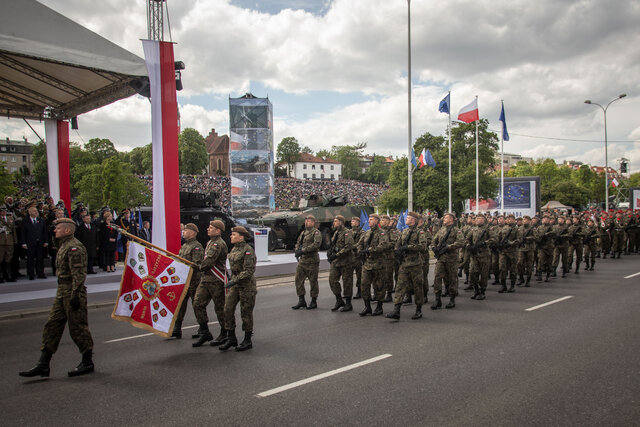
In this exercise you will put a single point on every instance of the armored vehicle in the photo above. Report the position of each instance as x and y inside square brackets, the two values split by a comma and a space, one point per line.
[286, 225]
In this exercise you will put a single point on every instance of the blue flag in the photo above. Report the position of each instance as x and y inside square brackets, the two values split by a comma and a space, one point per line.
[505, 134]
[401, 225]
[139, 219]
[444, 104]
[429, 159]
[364, 220]
[413, 159]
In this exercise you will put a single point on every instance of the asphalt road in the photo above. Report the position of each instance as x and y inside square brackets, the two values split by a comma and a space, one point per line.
[574, 362]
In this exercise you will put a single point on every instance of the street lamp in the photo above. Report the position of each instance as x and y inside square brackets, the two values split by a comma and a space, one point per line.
[606, 153]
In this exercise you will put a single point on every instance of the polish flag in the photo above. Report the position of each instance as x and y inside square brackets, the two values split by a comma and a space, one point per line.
[422, 160]
[57, 143]
[469, 113]
[614, 183]
[164, 136]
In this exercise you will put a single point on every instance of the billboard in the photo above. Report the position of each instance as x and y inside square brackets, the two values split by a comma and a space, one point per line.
[251, 157]
[521, 197]
[634, 198]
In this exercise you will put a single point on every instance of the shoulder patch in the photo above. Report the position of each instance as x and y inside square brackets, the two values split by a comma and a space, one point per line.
[215, 244]
[74, 249]
[316, 232]
[382, 233]
[196, 248]
[247, 253]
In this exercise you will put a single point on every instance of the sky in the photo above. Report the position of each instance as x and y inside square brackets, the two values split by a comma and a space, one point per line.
[336, 70]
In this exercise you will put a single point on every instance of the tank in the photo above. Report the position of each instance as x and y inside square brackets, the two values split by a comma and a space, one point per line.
[286, 225]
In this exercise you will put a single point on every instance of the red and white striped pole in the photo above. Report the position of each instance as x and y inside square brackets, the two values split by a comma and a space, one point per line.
[57, 143]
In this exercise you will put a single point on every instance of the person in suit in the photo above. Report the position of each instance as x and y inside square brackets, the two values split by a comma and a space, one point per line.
[34, 240]
[145, 231]
[108, 241]
[87, 233]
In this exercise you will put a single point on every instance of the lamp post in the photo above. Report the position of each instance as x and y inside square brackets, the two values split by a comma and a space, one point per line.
[606, 153]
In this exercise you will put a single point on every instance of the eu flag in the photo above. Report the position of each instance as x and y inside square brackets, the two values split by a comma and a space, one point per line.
[445, 104]
[505, 134]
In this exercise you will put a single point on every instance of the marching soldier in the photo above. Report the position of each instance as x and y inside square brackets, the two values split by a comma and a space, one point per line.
[340, 255]
[8, 238]
[388, 259]
[409, 248]
[494, 230]
[69, 305]
[508, 252]
[526, 251]
[606, 224]
[357, 265]
[425, 257]
[544, 236]
[242, 289]
[561, 247]
[446, 243]
[211, 287]
[193, 251]
[371, 249]
[575, 242]
[618, 234]
[307, 247]
[478, 242]
[464, 259]
[590, 242]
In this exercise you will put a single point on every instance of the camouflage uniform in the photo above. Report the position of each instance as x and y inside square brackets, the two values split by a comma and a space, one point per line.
[309, 243]
[508, 252]
[192, 251]
[425, 261]
[389, 259]
[242, 260]
[465, 258]
[447, 263]
[357, 265]
[71, 267]
[526, 252]
[575, 245]
[377, 241]
[561, 248]
[410, 278]
[590, 245]
[544, 236]
[618, 235]
[210, 286]
[606, 224]
[8, 238]
[342, 266]
[478, 241]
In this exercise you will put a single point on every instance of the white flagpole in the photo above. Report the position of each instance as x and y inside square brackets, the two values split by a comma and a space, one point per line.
[450, 151]
[477, 163]
[410, 174]
[502, 167]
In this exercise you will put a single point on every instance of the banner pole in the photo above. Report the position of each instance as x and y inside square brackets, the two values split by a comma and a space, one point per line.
[145, 243]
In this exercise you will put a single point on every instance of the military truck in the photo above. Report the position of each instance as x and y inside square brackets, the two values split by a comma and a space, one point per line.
[286, 225]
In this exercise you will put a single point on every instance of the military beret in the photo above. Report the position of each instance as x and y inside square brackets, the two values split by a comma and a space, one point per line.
[416, 215]
[192, 226]
[241, 230]
[339, 218]
[526, 217]
[355, 218]
[511, 216]
[217, 224]
[451, 214]
[376, 216]
[64, 221]
[310, 217]
[385, 217]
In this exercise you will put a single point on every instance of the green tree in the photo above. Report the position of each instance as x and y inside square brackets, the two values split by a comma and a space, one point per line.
[306, 150]
[100, 149]
[567, 193]
[521, 168]
[140, 160]
[323, 153]
[288, 152]
[193, 152]
[349, 158]
[378, 172]
[6, 182]
[634, 180]
[40, 169]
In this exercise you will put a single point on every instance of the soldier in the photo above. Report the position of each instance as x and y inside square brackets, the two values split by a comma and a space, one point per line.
[446, 243]
[590, 244]
[467, 225]
[211, 287]
[606, 224]
[544, 236]
[69, 305]
[388, 259]
[575, 242]
[340, 255]
[409, 248]
[478, 242]
[371, 248]
[242, 288]
[191, 250]
[618, 234]
[526, 251]
[307, 247]
[508, 252]
[357, 265]
[494, 230]
[561, 247]
[425, 257]
[8, 239]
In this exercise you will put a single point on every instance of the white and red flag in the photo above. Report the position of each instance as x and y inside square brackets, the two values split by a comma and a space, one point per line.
[57, 136]
[614, 182]
[152, 288]
[164, 142]
[469, 113]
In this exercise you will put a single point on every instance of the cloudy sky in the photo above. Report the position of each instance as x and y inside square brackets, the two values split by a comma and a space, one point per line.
[336, 70]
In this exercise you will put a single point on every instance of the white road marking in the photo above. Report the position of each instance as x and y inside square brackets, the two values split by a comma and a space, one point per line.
[149, 334]
[321, 376]
[549, 303]
[632, 275]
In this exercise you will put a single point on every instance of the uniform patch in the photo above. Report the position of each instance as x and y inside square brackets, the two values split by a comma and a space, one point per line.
[74, 249]
[316, 232]
[196, 248]
[247, 253]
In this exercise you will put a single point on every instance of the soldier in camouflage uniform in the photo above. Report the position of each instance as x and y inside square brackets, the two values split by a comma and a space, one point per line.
[507, 248]
[606, 225]
[340, 255]
[357, 265]
[467, 225]
[388, 259]
[409, 248]
[211, 287]
[526, 251]
[372, 246]
[576, 231]
[69, 305]
[494, 230]
[618, 234]
[307, 247]
[544, 236]
[8, 238]
[561, 247]
[193, 251]
[446, 243]
[242, 288]
[590, 244]
[478, 241]
[425, 257]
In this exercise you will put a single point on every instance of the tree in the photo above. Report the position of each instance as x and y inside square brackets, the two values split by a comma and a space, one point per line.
[634, 180]
[140, 160]
[378, 172]
[6, 182]
[567, 193]
[323, 153]
[193, 152]
[40, 169]
[288, 152]
[349, 158]
[100, 149]
[306, 150]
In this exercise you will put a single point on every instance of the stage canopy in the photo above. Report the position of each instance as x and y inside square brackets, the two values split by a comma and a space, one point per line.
[47, 61]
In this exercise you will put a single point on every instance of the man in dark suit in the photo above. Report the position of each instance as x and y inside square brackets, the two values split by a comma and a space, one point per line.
[87, 233]
[34, 240]
[145, 232]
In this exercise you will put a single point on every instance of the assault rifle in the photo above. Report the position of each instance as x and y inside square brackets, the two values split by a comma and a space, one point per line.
[524, 239]
[480, 244]
[561, 236]
[332, 254]
[504, 242]
[401, 252]
[443, 246]
[364, 254]
[588, 238]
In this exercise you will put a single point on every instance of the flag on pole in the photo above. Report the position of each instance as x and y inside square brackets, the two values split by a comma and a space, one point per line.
[401, 226]
[505, 134]
[445, 104]
[428, 159]
[364, 220]
[421, 161]
[614, 183]
[152, 288]
[469, 113]
[140, 227]
[413, 159]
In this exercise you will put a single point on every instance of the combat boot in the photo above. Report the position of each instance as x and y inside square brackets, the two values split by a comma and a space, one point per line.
[469, 288]
[553, 273]
[466, 279]
[495, 281]
[219, 340]
[395, 314]
[246, 342]
[446, 292]
[577, 268]
[503, 286]
[85, 367]
[539, 277]
[593, 262]
[527, 283]
[177, 330]
[378, 311]
[301, 303]
[546, 279]
[367, 309]
[604, 255]
[438, 303]
[418, 314]
[406, 300]
[339, 303]
[452, 302]
[481, 296]
[586, 265]
[564, 273]
[347, 306]
[476, 292]
[513, 286]
[388, 297]
[204, 337]
[41, 368]
[520, 280]
[313, 304]
[598, 254]
[197, 334]
[358, 295]
[460, 272]
[231, 341]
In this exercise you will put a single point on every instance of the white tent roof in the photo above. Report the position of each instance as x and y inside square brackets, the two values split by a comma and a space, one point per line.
[553, 204]
[47, 60]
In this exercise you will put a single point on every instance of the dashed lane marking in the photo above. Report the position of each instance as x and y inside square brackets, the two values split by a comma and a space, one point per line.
[148, 335]
[548, 303]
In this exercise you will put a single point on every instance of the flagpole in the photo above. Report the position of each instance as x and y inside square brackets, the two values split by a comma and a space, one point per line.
[477, 165]
[145, 243]
[449, 152]
[502, 167]
[409, 145]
